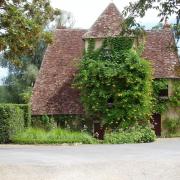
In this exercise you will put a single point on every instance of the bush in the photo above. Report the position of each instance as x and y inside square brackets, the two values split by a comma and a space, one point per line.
[134, 135]
[56, 136]
[43, 122]
[27, 114]
[11, 121]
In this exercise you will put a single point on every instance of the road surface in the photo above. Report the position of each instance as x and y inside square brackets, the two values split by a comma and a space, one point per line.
[153, 161]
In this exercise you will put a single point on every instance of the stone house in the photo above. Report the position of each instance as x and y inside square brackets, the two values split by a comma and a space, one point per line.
[53, 94]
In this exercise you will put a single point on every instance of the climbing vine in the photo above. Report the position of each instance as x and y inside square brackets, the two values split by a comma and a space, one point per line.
[115, 83]
[160, 104]
[175, 98]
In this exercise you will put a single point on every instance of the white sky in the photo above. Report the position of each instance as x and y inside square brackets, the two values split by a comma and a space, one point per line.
[3, 74]
[86, 12]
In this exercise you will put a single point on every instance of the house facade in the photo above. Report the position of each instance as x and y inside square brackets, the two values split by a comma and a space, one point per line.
[53, 94]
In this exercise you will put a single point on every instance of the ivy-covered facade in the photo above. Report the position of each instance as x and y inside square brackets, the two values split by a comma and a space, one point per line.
[54, 93]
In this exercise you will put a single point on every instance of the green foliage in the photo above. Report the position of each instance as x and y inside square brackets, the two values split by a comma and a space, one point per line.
[115, 85]
[20, 80]
[4, 95]
[56, 136]
[172, 125]
[22, 25]
[166, 8]
[44, 122]
[159, 104]
[134, 135]
[175, 98]
[27, 114]
[11, 121]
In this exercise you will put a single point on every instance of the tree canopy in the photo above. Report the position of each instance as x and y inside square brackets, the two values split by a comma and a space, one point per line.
[166, 8]
[22, 25]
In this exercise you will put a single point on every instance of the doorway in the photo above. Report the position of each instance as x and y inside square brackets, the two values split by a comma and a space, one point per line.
[156, 122]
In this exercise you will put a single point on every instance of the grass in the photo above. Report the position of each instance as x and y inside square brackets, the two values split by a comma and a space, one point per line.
[56, 136]
[60, 136]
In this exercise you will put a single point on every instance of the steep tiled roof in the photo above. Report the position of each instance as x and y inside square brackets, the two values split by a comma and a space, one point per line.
[160, 51]
[52, 93]
[107, 25]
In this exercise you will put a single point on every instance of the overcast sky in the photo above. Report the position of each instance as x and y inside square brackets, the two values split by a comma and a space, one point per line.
[85, 12]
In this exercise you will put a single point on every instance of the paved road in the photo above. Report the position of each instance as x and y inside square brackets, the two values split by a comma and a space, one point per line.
[154, 161]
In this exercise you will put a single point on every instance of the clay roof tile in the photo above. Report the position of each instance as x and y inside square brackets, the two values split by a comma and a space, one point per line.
[107, 25]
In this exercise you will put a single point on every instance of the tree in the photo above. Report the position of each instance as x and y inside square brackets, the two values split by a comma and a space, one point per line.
[166, 8]
[22, 24]
[20, 80]
[64, 20]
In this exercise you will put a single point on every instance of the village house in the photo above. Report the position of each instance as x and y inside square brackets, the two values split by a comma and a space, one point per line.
[53, 94]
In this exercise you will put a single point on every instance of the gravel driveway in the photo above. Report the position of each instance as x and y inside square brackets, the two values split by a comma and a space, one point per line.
[153, 161]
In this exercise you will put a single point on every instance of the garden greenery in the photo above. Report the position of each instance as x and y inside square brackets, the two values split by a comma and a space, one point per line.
[172, 125]
[12, 120]
[160, 104]
[175, 98]
[55, 136]
[115, 83]
[137, 134]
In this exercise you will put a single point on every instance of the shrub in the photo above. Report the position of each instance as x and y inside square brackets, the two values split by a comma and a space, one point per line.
[134, 135]
[11, 121]
[56, 136]
[27, 114]
[43, 122]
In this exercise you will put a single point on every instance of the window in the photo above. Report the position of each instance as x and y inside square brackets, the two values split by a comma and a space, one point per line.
[164, 92]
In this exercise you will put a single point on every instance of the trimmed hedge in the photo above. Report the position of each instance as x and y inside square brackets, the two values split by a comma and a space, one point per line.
[11, 121]
[27, 114]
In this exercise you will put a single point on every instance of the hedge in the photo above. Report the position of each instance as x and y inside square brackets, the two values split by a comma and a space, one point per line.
[11, 121]
[27, 114]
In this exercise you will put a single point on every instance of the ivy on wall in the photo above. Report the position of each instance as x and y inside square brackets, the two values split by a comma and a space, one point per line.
[175, 98]
[115, 83]
[159, 104]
